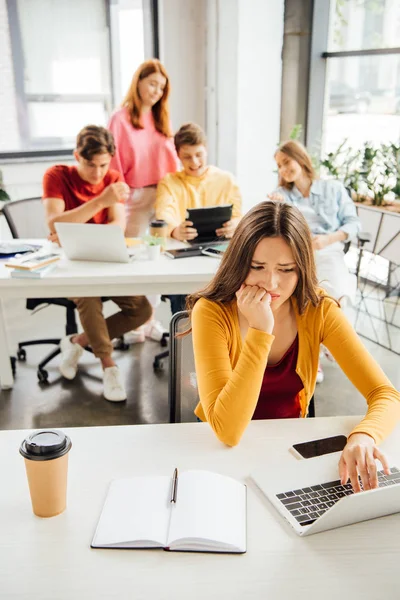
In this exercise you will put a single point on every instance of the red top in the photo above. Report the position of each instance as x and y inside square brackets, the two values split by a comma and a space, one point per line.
[280, 387]
[62, 181]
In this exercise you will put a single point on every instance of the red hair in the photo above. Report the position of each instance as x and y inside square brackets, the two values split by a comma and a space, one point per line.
[133, 102]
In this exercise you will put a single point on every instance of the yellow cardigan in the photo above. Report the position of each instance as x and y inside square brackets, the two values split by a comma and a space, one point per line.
[177, 192]
[230, 373]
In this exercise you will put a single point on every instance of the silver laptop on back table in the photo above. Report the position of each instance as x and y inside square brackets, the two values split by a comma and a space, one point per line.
[89, 241]
[309, 495]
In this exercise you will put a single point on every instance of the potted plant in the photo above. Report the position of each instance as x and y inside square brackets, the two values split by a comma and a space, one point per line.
[153, 245]
[371, 175]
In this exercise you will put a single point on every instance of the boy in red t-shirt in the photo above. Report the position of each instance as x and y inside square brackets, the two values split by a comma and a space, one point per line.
[92, 193]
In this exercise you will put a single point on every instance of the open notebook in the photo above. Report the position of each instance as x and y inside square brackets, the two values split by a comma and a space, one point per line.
[209, 514]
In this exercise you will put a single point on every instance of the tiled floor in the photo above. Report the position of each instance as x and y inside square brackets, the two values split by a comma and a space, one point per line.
[80, 403]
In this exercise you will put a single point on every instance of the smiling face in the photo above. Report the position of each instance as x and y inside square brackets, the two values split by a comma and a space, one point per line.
[151, 89]
[274, 269]
[288, 168]
[193, 159]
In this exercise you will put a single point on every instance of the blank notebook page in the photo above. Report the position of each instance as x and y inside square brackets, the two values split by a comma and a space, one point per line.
[211, 507]
[136, 509]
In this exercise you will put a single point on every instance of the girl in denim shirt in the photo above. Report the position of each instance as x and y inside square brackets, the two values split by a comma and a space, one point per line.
[329, 212]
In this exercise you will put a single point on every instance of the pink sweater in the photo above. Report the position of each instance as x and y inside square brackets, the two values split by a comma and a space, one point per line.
[143, 156]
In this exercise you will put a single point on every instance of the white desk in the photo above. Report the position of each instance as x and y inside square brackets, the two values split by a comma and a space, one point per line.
[74, 278]
[51, 559]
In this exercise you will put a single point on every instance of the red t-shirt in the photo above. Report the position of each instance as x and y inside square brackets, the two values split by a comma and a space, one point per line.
[280, 387]
[62, 181]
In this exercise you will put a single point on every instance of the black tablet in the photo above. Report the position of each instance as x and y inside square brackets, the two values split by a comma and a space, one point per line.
[208, 219]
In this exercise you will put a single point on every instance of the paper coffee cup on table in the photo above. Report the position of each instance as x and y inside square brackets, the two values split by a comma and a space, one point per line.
[46, 462]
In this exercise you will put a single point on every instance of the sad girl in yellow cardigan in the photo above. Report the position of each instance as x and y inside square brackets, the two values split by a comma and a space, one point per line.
[257, 329]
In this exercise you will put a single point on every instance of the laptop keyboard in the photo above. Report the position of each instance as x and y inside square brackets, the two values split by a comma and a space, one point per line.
[309, 503]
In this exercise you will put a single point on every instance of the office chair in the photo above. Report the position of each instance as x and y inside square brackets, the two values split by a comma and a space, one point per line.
[362, 238]
[26, 219]
[182, 383]
[158, 363]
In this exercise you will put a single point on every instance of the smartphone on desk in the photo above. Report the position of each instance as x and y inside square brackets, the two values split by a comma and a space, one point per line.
[319, 447]
[183, 252]
[215, 251]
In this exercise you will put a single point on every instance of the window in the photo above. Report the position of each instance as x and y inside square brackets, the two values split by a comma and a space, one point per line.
[65, 64]
[362, 93]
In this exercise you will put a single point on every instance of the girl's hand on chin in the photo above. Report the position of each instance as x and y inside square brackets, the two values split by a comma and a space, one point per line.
[254, 303]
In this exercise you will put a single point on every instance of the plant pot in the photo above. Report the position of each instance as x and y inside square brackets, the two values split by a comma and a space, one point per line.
[153, 252]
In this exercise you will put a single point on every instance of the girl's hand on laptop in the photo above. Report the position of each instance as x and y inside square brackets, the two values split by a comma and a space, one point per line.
[184, 232]
[228, 228]
[254, 303]
[358, 458]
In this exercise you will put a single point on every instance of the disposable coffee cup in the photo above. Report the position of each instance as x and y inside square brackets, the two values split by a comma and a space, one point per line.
[158, 228]
[46, 463]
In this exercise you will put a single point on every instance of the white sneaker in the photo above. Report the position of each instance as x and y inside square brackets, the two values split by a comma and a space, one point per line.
[70, 355]
[136, 336]
[154, 330]
[114, 389]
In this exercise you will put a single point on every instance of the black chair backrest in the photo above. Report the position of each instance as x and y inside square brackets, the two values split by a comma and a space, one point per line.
[26, 218]
[182, 389]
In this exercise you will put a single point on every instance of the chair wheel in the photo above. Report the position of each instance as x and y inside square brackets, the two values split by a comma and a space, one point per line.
[43, 376]
[13, 362]
[164, 341]
[120, 345]
[21, 354]
[158, 365]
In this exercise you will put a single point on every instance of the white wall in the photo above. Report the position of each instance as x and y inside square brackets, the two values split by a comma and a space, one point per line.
[244, 71]
[259, 96]
[182, 26]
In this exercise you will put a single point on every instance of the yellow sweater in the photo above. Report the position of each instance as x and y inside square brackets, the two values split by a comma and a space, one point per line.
[230, 373]
[177, 192]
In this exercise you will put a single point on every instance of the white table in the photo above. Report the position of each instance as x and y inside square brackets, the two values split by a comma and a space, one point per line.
[78, 279]
[51, 559]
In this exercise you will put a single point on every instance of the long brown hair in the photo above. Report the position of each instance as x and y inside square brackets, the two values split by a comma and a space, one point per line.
[297, 152]
[133, 102]
[265, 220]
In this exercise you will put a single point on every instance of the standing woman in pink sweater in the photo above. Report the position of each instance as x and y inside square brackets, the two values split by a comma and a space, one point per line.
[145, 152]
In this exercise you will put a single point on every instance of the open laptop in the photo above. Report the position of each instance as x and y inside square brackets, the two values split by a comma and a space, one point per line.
[309, 495]
[207, 220]
[89, 241]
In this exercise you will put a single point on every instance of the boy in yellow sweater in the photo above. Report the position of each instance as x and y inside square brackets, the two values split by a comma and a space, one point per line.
[197, 185]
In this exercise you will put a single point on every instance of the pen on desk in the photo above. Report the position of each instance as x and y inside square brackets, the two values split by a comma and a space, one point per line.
[174, 489]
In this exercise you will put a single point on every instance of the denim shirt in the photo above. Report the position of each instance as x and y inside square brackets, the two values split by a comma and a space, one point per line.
[327, 209]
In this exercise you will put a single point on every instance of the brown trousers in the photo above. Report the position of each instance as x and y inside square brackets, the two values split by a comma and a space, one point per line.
[135, 310]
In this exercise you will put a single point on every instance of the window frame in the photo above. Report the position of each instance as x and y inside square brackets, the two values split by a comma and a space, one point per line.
[319, 57]
[151, 35]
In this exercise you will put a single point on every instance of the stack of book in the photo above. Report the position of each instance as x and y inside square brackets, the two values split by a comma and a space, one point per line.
[33, 266]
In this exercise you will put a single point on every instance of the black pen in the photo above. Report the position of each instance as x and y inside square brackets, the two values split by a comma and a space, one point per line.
[174, 489]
